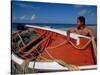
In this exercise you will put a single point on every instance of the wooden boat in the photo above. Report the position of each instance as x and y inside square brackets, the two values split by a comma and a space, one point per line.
[49, 50]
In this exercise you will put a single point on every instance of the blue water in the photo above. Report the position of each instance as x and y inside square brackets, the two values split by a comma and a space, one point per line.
[56, 26]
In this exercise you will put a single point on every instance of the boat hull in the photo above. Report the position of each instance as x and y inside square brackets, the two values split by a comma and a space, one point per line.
[54, 46]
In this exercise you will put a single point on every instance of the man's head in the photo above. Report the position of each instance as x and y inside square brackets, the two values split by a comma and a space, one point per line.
[80, 21]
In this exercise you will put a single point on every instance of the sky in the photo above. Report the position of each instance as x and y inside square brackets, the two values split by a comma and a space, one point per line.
[37, 12]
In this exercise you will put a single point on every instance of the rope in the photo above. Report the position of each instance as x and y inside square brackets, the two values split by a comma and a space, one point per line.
[94, 49]
[21, 39]
[47, 51]
[57, 45]
[19, 42]
[49, 54]
[24, 66]
[83, 47]
[94, 44]
[69, 66]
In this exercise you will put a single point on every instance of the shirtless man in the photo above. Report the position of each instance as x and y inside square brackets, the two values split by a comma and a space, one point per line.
[81, 29]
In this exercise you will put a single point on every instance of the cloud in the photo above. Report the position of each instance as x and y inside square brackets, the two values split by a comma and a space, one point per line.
[22, 17]
[86, 12]
[82, 12]
[28, 6]
[19, 17]
[25, 17]
[33, 17]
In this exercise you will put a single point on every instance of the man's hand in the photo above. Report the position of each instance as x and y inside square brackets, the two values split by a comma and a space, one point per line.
[68, 33]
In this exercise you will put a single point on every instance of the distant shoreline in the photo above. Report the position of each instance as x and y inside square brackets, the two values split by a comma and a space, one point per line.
[49, 23]
[65, 29]
[56, 26]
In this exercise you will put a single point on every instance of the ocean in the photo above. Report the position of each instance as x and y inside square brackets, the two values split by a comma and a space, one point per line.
[56, 26]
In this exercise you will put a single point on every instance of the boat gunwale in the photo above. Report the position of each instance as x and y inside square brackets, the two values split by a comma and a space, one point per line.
[20, 61]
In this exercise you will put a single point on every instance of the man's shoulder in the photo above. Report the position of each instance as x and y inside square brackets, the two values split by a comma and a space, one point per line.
[88, 28]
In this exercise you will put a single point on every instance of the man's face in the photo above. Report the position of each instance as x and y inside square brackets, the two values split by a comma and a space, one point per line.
[79, 23]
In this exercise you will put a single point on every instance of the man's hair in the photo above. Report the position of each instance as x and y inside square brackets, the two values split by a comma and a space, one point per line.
[82, 19]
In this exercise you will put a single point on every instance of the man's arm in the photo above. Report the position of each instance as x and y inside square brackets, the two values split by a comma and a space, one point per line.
[93, 37]
[68, 33]
[92, 34]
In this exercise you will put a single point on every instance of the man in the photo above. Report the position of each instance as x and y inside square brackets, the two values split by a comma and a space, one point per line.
[81, 28]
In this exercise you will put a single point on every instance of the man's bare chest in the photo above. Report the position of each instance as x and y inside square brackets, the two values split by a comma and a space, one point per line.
[82, 32]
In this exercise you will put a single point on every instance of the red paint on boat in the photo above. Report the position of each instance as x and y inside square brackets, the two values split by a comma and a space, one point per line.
[55, 46]
[67, 53]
